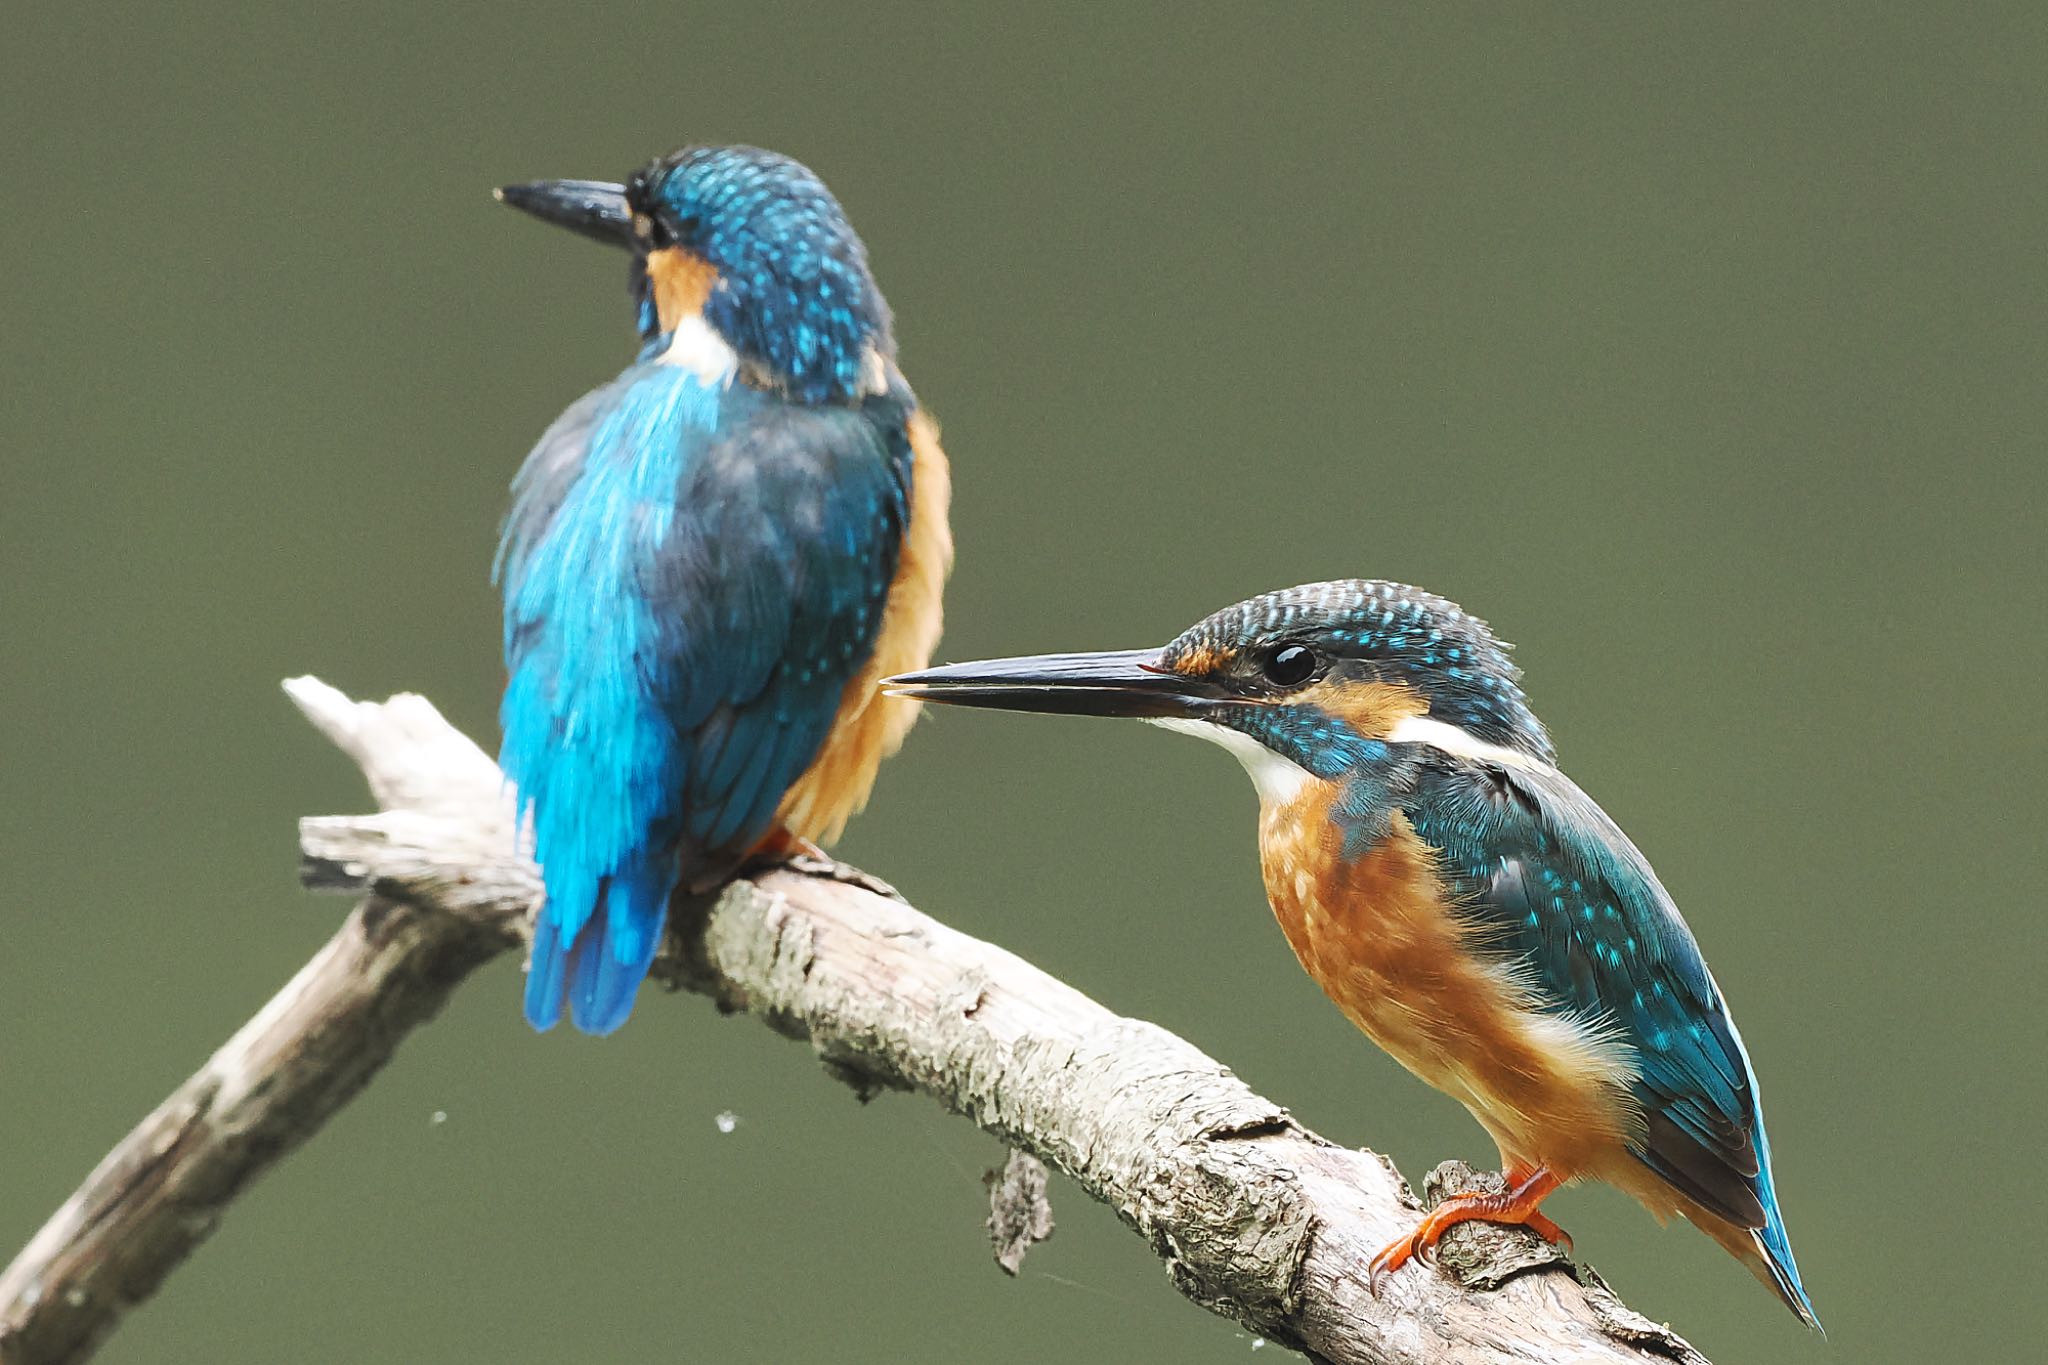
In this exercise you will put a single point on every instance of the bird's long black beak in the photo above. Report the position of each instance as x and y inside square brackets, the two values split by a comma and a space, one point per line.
[1129, 682]
[595, 208]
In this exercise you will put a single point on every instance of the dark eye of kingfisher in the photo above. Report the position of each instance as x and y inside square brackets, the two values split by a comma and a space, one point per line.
[1290, 665]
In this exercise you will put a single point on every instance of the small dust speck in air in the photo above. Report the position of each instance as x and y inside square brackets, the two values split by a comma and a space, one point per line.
[437, 1118]
[726, 1120]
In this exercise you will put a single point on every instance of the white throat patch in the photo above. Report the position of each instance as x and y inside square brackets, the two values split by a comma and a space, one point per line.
[696, 346]
[1279, 779]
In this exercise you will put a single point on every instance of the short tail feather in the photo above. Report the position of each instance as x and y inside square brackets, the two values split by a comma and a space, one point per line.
[599, 968]
[1783, 1273]
[1774, 1244]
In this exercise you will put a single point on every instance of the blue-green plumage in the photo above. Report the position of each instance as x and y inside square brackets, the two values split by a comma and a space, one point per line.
[1567, 899]
[696, 560]
[795, 292]
[1460, 896]
[691, 575]
[1558, 891]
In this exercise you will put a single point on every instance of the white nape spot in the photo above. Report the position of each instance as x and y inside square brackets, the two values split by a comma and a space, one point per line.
[696, 346]
[1278, 778]
[874, 373]
[1452, 739]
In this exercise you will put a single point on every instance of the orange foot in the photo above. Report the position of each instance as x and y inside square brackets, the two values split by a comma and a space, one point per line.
[1527, 1187]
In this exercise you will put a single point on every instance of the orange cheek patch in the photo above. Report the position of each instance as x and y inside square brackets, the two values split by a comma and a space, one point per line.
[1198, 661]
[1372, 709]
[681, 283]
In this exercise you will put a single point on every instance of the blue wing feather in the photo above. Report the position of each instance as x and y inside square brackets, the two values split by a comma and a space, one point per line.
[1558, 887]
[691, 575]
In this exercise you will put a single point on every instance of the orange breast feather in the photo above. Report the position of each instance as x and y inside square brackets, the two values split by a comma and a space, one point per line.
[1377, 934]
[869, 726]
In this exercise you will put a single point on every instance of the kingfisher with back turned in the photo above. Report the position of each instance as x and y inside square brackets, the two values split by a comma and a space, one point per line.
[709, 562]
[1457, 896]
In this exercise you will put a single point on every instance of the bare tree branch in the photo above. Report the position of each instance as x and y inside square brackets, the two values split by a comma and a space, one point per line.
[1254, 1217]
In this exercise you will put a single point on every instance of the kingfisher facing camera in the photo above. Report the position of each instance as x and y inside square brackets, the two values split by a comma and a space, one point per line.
[709, 562]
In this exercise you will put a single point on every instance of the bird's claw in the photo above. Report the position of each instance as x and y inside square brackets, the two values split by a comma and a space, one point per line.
[1515, 1205]
[1550, 1232]
[1392, 1257]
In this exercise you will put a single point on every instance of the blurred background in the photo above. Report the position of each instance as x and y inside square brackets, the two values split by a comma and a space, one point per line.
[1699, 351]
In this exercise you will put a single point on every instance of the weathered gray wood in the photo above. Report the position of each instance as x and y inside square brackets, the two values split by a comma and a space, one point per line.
[1253, 1216]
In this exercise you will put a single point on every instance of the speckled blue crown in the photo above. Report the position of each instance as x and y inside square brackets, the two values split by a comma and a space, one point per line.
[1403, 635]
[794, 293]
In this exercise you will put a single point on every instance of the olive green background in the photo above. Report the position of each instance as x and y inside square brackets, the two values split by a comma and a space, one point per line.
[1700, 351]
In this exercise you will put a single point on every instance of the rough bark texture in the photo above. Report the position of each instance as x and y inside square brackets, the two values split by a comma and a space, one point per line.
[1019, 1209]
[1253, 1216]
